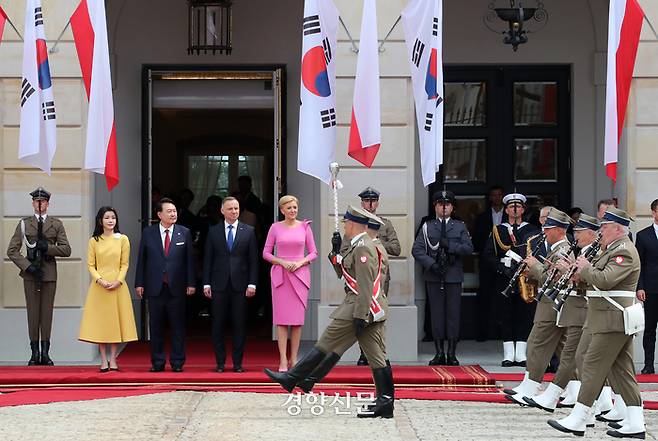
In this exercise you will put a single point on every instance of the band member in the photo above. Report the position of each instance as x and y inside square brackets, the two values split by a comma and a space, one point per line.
[513, 312]
[571, 321]
[45, 238]
[612, 321]
[546, 336]
[439, 248]
[387, 236]
[359, 318]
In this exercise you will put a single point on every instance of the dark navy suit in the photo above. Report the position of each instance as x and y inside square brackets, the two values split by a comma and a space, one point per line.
[647, 247]
[166, 299]
[229, 272]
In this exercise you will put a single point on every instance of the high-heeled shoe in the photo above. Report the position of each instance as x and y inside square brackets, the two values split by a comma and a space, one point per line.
[104, 369]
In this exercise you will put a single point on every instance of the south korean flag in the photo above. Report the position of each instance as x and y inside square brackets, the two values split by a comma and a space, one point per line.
[317, 113]
[38, 117]
[422, 20]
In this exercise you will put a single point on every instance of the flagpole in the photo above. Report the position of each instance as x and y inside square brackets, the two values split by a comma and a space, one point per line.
[651, 26]
[14, 28]
[53, 49]
[381, 45]
[354, 48]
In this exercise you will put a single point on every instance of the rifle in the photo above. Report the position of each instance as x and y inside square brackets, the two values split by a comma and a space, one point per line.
[441, 257]
[563, 288]
[35, 255]
[552, 275]
[523, 266]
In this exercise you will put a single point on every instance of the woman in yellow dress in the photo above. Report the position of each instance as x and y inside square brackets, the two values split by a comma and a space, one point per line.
[108, 314]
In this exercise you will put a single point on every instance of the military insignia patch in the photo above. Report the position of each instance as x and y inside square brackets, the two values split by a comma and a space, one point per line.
[619, 260]
[363, 259]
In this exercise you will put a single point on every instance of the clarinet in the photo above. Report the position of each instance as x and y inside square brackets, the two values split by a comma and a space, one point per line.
[523, 266]
[563, 287]
[552, 275]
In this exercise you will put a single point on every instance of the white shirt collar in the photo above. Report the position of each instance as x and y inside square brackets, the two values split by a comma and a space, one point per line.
[357, 237]
[162, 229]
[43, 216]
[551, 247]
[655, 227]
[234, 224]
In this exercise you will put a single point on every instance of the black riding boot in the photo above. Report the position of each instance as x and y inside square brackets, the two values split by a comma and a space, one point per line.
[440, 357]
[363, 361]
[45, 358]
[319, 372]
[452, 359]
[35, 359]
[288, 380]
[383, 406]
[370, 406]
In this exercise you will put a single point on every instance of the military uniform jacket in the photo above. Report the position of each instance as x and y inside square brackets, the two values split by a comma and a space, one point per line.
[539, 273]
[58, 246]
[361, 261]
[617, 268]
[385, 266]
[493, 253]
[459, 244]
[389, 238]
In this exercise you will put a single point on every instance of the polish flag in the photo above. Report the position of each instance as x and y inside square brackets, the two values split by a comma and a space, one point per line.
[624, 26]
[90, 34]
[365, 136]
[3, 20]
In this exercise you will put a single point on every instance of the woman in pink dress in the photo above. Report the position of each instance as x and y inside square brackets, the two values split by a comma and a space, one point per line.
[290, 275]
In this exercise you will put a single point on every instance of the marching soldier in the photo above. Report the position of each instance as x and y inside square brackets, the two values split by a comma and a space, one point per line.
[45, 238]
[612, 320]
[571, 321]
[359, 318]
[546, 336]
[439, 248]
[507, 242]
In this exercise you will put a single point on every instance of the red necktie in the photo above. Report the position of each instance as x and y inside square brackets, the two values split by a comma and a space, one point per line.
[167, 242]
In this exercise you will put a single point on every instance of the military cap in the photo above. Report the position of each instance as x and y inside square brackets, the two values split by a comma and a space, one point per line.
[587, 222]
[514, 198]
[40, 193]
[613, 214]
[369, 193]
[445, 196]
[557, 219]
[375, 222]
[357, 215]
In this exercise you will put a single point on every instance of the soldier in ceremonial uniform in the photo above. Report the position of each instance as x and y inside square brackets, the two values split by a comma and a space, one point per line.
[514, 313]
[359, 318]
[438, 248]
[571, 320]
[613, 276]
[39, 270]
[546, 337]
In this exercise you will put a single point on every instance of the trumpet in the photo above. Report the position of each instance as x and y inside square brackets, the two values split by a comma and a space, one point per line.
[522, 267]
[563, 287]
[553, 273]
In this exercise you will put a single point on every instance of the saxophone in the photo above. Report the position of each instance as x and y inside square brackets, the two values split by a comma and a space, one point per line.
[528, 288]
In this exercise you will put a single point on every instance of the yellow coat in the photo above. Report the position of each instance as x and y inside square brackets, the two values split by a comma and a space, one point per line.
[108, 314]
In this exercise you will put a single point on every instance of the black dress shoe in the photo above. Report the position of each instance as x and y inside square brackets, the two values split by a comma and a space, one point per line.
[220, 368]
[648, 369]
[438, 360]
[238, 369]
[507, 363]
[177, 368]
[156, 369]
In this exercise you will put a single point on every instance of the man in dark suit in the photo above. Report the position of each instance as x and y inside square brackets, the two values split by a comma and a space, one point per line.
[494, 214]
[230, 272]
[165, 273]
[647, 286]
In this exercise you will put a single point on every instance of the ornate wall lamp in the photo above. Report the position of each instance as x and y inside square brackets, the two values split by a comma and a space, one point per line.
[520, 21]
[209, 26]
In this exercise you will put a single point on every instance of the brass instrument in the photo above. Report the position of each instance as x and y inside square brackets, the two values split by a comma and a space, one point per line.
[527, 289]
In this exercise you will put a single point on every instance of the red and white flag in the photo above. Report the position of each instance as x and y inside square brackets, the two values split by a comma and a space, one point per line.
[3, 20]
[365, 135]
[624, 26]
[37, 138]
[317, 111]
[423, 23]
[90, 34]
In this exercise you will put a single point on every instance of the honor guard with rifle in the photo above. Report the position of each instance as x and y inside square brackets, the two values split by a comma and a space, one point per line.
[438, 248]
[571, 305]
[506, 247]
[547, 334]
[44, 238]
[613, 317]
[386, 236]
[359, 318]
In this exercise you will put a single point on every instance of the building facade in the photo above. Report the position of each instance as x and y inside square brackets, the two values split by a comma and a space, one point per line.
[148, 44]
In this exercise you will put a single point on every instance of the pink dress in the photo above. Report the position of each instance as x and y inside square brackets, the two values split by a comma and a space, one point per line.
[290, 290]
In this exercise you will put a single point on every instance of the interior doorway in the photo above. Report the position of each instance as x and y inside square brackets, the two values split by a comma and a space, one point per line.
[208, 134]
